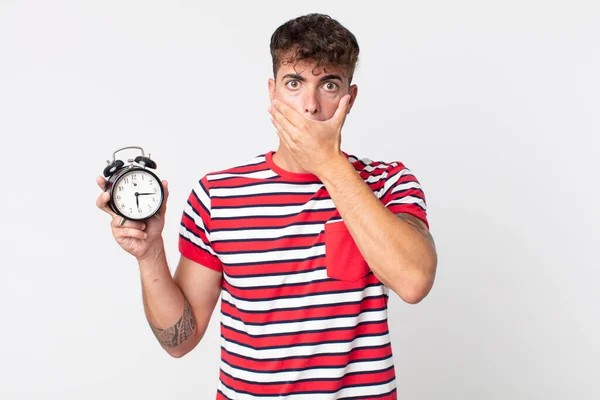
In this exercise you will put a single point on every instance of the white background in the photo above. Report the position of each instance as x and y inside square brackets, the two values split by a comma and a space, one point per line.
[493, 105]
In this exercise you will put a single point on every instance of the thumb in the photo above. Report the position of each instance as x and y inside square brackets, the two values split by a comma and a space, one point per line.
[163, 206]
[342, 109]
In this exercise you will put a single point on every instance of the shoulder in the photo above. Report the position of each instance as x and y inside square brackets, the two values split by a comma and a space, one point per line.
[368, 166]
[253, 164]
[254, 167]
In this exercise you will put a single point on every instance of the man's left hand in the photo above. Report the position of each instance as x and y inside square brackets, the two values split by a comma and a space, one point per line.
[313, 144]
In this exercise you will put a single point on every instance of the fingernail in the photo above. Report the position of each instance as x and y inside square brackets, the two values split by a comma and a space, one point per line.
[143, 226]
[145, 235]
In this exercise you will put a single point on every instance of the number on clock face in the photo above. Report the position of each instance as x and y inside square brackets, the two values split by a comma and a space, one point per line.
[138, 197]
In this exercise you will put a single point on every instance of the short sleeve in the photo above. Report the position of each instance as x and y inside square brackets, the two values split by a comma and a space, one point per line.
[402, 192]
[194, 231]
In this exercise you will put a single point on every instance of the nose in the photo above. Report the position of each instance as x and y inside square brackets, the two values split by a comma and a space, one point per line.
[311, 103]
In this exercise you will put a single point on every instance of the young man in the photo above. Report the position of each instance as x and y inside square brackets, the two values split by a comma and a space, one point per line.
[302, 244]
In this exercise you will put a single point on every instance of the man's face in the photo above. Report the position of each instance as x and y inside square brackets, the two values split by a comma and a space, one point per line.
[314, 95]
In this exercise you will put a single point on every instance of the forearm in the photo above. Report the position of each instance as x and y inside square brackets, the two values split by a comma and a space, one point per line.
[167, 310]
[398, 253]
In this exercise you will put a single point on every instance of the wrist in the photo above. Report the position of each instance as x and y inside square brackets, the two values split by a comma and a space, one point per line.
[337, 166]
[155, 249]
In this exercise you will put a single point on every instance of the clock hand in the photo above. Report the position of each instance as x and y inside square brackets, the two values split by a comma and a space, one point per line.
[137, 199]
[142, 194]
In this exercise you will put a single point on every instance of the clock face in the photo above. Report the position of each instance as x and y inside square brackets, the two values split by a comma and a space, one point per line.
[137, 194]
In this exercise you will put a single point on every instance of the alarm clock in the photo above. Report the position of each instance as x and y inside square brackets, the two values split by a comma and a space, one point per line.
[136, 193]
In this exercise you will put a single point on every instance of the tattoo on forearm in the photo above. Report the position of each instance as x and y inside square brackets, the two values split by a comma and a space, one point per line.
[418, 225]
[181, 331]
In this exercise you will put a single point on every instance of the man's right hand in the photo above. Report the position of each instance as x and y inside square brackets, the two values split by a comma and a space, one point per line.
[141, 239]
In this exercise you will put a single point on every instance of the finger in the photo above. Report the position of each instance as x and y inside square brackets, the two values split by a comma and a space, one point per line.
[281, 132]
[285, 140]
[116, 223]
[277, 125]
[284, 123]
[342, 110]
[102, 203]
[123, 233]
[101, 182]
[287, 112]
[163, 207]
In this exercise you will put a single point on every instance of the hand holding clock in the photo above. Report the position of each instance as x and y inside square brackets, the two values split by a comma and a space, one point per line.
[135, 237]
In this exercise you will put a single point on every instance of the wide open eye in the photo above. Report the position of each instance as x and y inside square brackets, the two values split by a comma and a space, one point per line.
[293, 84]
[330, 86]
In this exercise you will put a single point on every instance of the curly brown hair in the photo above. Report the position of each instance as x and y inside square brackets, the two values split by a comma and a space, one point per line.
[314, 37]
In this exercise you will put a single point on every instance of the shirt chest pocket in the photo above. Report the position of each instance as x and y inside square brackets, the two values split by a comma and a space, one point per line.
[342, 258]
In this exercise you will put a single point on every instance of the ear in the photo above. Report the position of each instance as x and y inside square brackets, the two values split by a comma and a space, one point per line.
[353, 91]
[271, 89]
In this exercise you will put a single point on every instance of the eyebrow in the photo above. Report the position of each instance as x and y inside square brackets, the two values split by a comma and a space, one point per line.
[323, 78]
[331, 77]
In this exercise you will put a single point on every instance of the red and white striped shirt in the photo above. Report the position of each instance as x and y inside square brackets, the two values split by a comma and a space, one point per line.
[302, 315]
